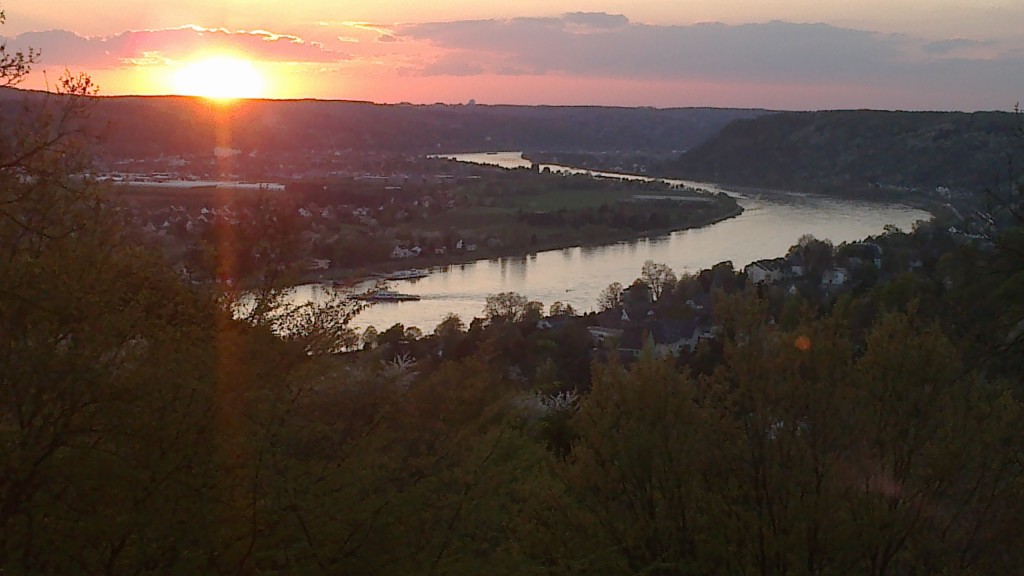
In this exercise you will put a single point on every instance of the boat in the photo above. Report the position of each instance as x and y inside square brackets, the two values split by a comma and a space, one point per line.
[407, 274]
[387, 296]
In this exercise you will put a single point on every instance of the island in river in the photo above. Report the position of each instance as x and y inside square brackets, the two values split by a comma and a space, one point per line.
[432, 212]
[496, 212]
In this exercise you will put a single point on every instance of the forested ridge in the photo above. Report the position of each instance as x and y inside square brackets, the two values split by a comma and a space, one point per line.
[150, 425]
[173, 125]
[885, 151]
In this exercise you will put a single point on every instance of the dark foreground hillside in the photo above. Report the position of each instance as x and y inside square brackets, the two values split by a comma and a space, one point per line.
[858, 149]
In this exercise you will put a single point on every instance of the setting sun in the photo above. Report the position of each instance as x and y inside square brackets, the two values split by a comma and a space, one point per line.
[220, 78]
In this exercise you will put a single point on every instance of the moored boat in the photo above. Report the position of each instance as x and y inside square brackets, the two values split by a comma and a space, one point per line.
[412, 274]
[387, 296]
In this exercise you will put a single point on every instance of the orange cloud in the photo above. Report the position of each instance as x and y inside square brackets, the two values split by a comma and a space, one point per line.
[146, 47]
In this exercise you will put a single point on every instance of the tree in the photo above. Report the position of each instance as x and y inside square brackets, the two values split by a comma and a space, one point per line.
[107, 363]
[369, 337]
[881, 463]
[818, 255]
[136, 409]
[611, 297]
[412, 333]
[436, 463]
[637, 300]
[451, 325]
[723, 276]
[506, 307]
[560, 309]
[777, 404]
[934, 484]
[320, 327]
[633, 498]
[393, 337]
[14, 66]
[658, 277]
[533, 313]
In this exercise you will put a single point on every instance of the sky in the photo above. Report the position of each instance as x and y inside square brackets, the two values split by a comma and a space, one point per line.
[780, 54]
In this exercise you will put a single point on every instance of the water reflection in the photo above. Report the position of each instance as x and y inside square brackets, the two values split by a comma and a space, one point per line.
[514, 268]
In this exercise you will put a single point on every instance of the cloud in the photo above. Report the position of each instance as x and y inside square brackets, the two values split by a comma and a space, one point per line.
[607, 45]
[954, 45]
[599, 20]
[381, 32]
[140, 47]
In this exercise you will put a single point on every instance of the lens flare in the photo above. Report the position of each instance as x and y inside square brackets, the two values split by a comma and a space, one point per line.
[803, 343]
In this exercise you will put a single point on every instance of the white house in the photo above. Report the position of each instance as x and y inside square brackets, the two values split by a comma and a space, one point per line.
[763, 272]
[834, 277]
[399, 253]
[600, 334]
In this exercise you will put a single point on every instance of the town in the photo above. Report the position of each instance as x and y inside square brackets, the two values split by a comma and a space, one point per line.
[426, 211]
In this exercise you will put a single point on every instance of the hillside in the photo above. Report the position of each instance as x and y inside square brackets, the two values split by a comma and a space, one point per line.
[857, 150]
[139, 126]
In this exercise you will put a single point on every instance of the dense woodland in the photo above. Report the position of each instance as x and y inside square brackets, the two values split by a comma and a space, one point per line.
[152, 426]
[887, 155]
[860, 150]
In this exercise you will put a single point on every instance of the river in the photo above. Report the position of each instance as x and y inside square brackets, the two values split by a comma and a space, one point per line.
[770, 224]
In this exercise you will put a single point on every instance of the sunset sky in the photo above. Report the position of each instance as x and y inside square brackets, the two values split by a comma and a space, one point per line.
[785, 54]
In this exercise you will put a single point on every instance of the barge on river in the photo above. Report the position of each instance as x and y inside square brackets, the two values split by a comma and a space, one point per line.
[387, 296]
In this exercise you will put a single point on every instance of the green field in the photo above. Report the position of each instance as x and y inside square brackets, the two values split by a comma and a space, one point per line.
[551, 192]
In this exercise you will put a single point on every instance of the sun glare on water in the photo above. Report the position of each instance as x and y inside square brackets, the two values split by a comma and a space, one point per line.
[220, 78]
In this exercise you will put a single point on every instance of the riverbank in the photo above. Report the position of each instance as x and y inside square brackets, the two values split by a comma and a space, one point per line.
[350, 276]
[356, 275]
[931, 205]
[767, 228]
[610, 169]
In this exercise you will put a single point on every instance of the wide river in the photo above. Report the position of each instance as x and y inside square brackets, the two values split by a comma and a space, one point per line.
[769, 225]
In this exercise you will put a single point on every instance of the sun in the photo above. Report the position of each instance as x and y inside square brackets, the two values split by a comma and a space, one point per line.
[220, 78]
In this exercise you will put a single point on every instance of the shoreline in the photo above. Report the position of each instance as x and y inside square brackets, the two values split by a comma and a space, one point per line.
[919, 201]
[351, 276]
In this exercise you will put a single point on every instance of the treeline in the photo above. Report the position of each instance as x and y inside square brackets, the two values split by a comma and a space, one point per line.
[636, 216]
[863, 150]
[186, 125]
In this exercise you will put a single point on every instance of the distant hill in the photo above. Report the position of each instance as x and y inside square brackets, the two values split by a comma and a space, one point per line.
[179, 125]
[849, 150]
